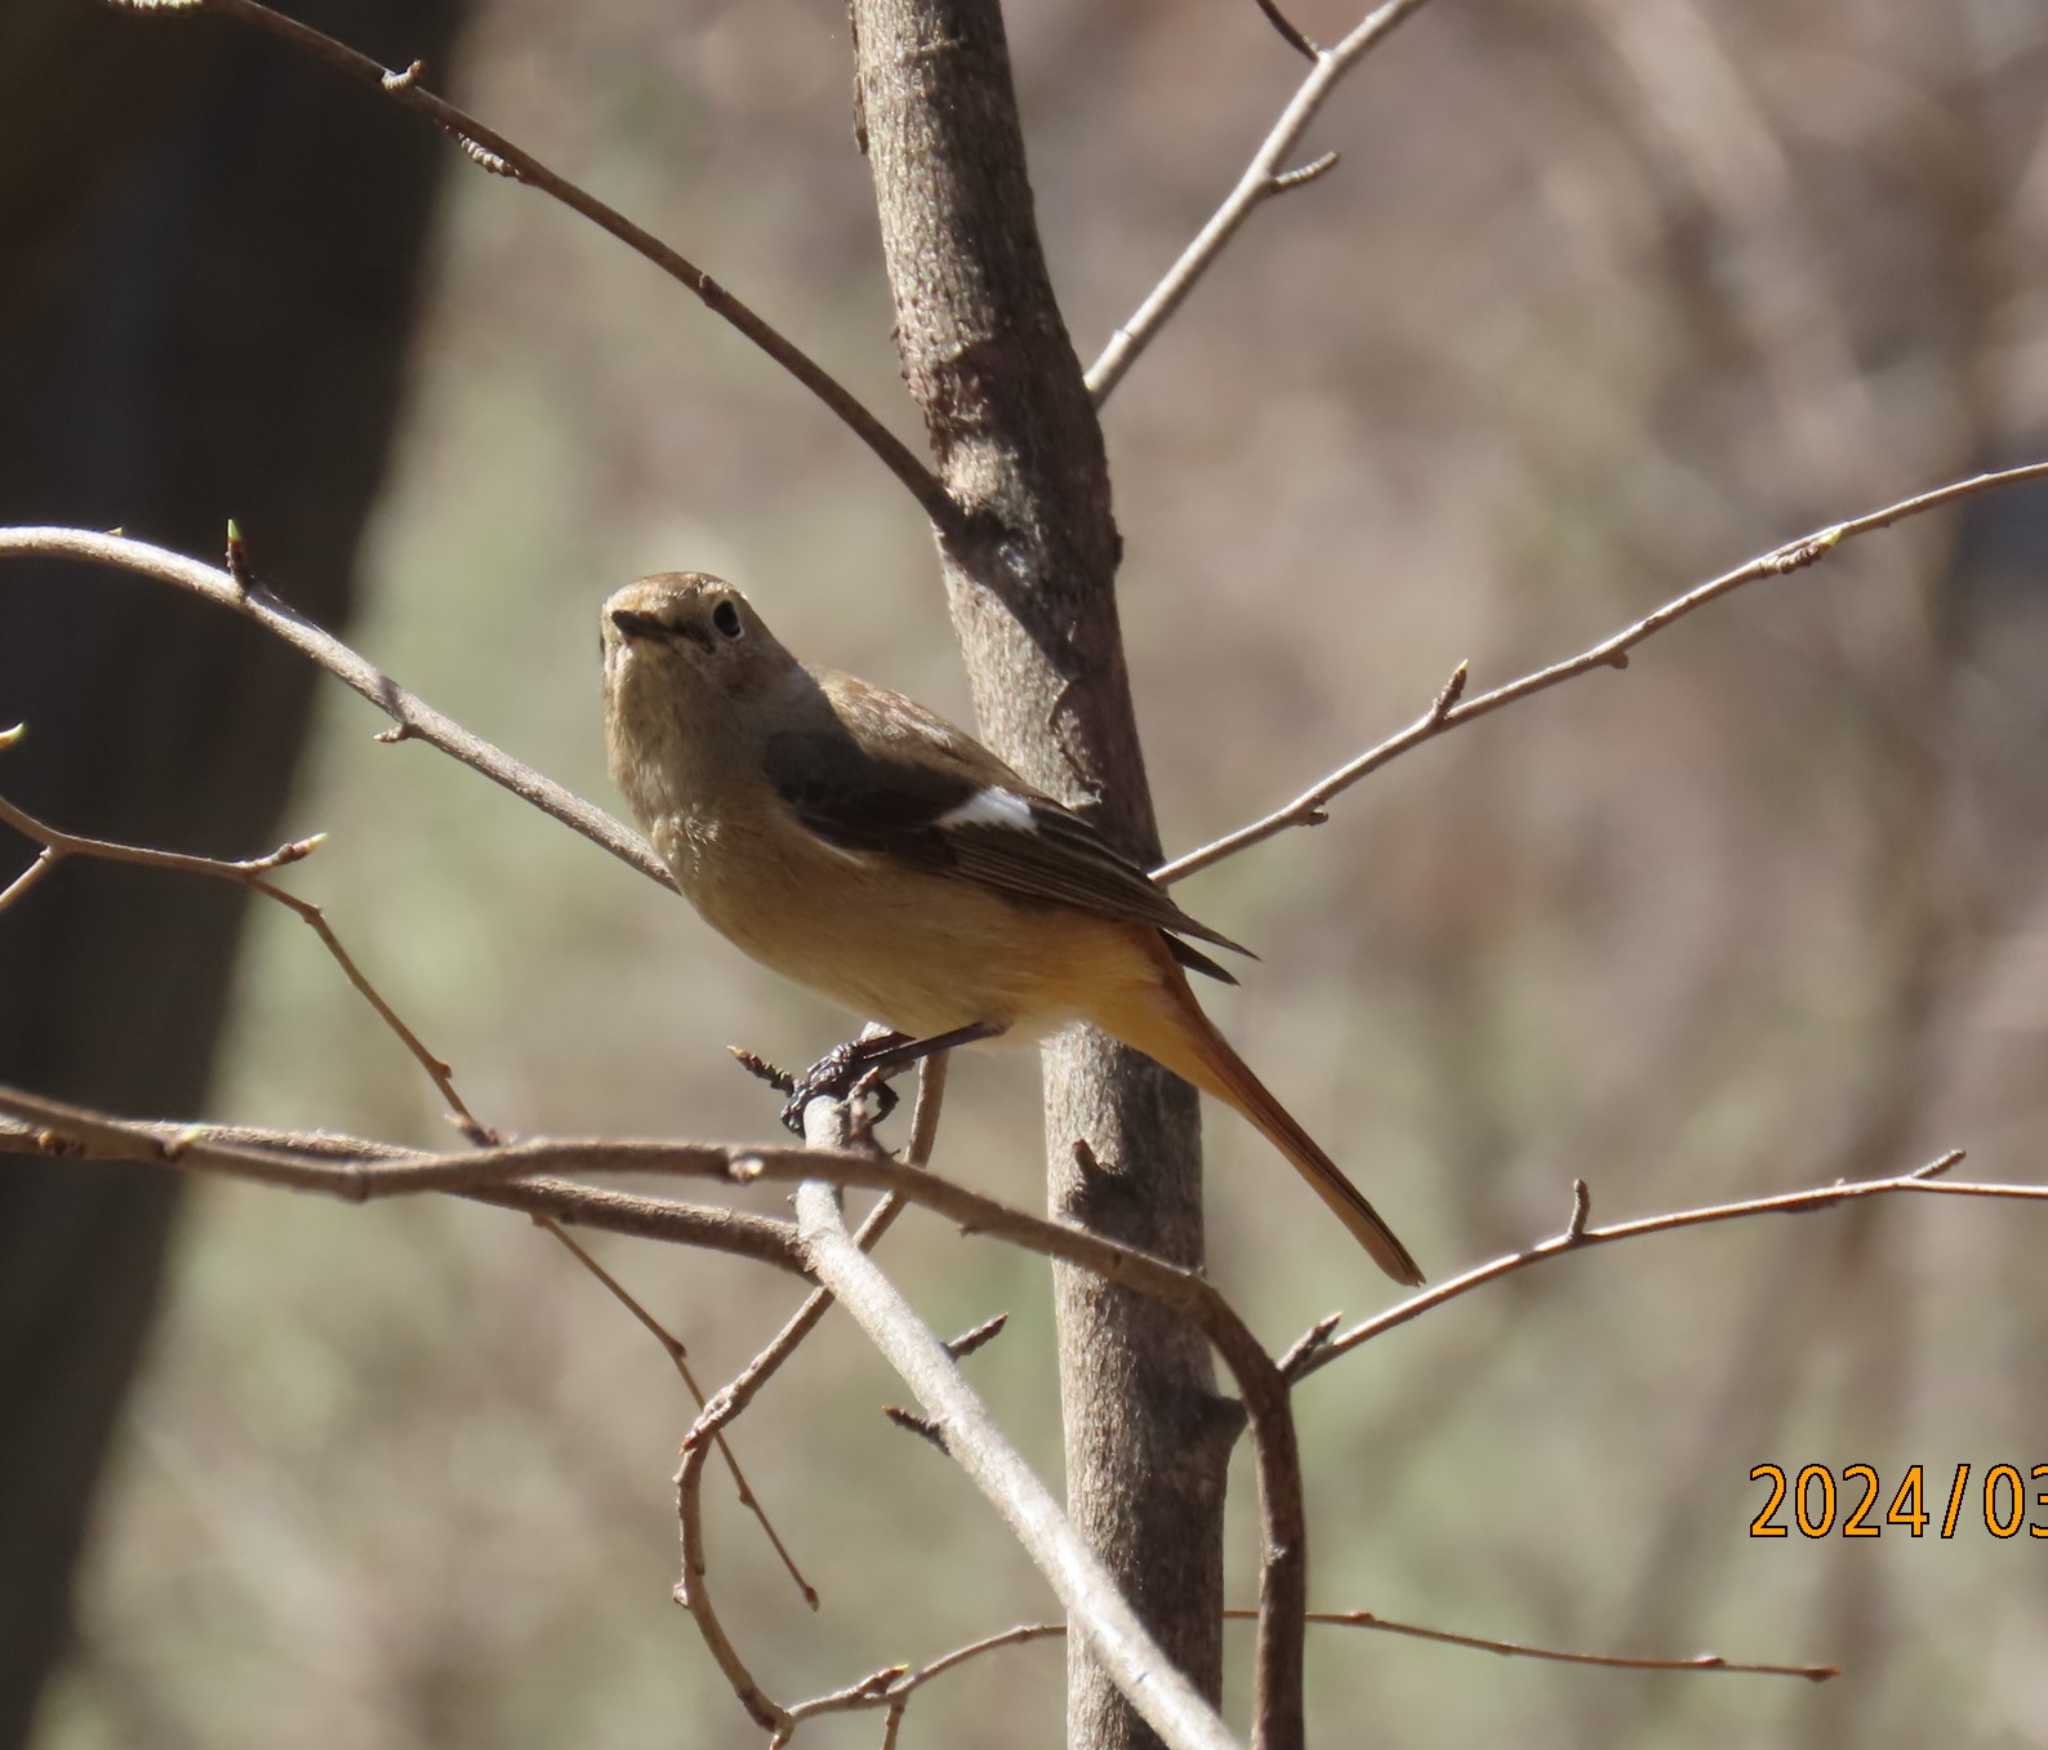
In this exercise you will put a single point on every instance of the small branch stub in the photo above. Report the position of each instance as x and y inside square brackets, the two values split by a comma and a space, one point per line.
[922, 1426]
[1307, 1344]
[1450, 692]
[983, 1334]
[238, 558]
[1304, 174]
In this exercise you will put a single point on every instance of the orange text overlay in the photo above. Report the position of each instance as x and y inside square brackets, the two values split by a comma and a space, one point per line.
[1819, 1501]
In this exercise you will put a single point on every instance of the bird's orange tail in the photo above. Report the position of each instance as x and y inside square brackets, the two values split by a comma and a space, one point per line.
[1176, 1033]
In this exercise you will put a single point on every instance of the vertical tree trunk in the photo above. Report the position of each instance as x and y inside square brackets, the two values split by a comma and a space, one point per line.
[1030, 577]
[211, 257]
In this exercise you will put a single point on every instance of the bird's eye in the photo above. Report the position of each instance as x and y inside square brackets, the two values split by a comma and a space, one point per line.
[726, 618]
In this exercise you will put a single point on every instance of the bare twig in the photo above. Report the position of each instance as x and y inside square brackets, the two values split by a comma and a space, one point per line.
[1283, 1576]
[1292, 36]
[924, 1127]
[967, 1342]
[1576, 1238]
[672, 1346]
[411, 714]
[62, 1129]
[1265, 177]
[58, 845]
[358, 1172]
[334, 1165]
[1169, 1703]
[1582, 1210]
[692, 1591]
[249, 873]
[912, 1423]
[1523, 1650]
[1447, 713]
[45, 863]
[1255, 1374]
[502, 158]
[1308, 1343]
[891, 1687]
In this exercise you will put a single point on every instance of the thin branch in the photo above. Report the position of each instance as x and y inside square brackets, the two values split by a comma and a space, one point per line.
[1283, 1574]
[985, 1216]
[924, 1126]
[672, 1347]
[1447, 713]
[413, 716]
[1308, 1343]
[62, 844]
[1169, 1703]
[693, 1590]
[59, 1129]
[501, 157]
[58, 845]
[726, 1406]
[986, 1332]
[1523, 1650]
[334, 1165]
[1289, 34]
[45, 864]
[249, 873]
[1265, 177]
[512, 1173]
[437, 1070]
[1578, 1238]
[891, 1687]
[763, 1238]
[912, 1423]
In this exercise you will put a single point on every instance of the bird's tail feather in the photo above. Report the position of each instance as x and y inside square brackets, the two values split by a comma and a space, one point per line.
[1184, 1039]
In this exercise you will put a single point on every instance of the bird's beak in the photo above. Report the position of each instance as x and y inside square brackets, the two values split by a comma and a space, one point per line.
[632, 625]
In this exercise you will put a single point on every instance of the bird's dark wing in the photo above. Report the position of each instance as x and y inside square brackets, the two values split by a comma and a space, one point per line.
[886, 777]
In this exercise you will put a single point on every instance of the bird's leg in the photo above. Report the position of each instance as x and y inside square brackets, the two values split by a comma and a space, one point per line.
[833, 1076]
[866, 1064]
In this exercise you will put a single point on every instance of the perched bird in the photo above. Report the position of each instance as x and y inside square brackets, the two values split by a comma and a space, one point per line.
[860, 845]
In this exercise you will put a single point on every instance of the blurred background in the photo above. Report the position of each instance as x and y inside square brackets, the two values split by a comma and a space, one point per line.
[1605, 297]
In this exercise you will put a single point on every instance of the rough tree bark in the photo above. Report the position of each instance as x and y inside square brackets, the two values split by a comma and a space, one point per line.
[210, 267]
[1030, 575]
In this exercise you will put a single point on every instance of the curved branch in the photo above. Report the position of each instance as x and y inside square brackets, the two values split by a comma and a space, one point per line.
[54, 1129]
[415, 718]
[1695, 1662]
[1447, 713]
[250, 872]
[1169, 1703]
[1290, 33]
[924, 1124]
[500, 156]
[1265, 177]
[495, 1174]
[1578, 1237]
[891, 1688]
[726, 1406]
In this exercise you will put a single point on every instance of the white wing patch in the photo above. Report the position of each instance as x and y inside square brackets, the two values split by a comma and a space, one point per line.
[991, 807]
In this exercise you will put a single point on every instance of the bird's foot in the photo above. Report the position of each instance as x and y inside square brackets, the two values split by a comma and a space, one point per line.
[842, 1073]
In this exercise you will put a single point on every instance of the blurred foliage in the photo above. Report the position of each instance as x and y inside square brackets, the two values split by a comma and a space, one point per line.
[1605, 297]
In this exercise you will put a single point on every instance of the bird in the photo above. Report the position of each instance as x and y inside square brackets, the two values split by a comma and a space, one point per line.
[846, 837]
